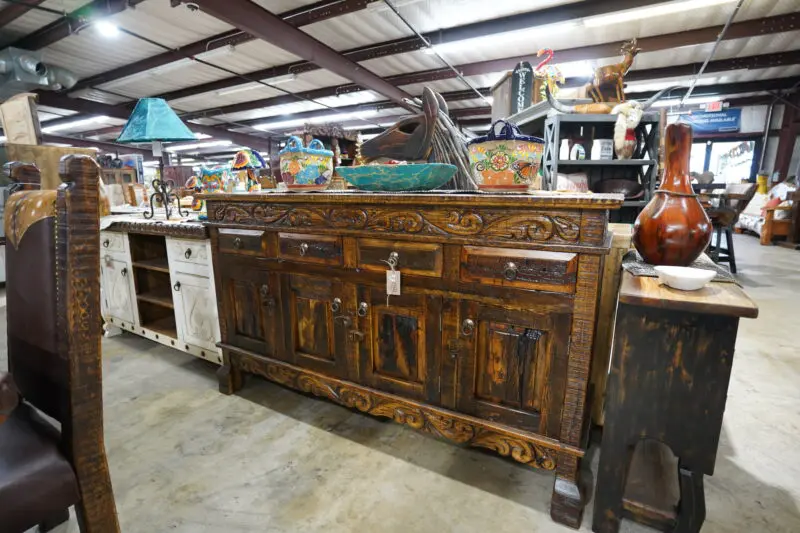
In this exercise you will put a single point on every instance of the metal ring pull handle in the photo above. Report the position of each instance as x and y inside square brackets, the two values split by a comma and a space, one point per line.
[303, 249]
[188, 253]
[177, 286]
[394, 259]
[467, 327]
[336, 305]
[237, 243]
[363, 307]
[124, 272]
[510, 271]
[106, 243]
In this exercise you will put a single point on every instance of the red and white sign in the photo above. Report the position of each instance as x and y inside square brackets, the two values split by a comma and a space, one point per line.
[714, 106]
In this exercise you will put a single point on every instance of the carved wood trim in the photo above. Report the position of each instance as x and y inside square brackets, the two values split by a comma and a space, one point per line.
[534, 451]
[499, 224]
[184, 231]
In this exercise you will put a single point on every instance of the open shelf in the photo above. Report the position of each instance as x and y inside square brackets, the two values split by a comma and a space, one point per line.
[159, 264]
[607, 162]
[164, 326]
[157, 299]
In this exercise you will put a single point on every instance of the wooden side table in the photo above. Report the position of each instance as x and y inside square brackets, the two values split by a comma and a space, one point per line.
[668, 384]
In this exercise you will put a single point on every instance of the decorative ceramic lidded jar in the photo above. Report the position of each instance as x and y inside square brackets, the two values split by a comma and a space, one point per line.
[306, 168]
[673, 228]
[506, 161]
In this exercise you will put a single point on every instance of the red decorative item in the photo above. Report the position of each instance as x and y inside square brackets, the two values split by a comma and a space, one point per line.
[673, 229]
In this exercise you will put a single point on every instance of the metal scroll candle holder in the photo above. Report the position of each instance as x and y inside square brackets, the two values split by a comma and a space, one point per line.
[165, 195]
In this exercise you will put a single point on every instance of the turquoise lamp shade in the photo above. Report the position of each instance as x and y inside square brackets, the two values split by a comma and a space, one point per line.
[153, 120]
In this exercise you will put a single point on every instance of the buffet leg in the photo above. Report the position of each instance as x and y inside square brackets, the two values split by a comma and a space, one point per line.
[566, 505]
[229, 376]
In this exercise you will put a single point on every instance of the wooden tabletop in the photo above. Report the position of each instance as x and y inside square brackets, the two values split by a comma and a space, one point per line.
[715, 298]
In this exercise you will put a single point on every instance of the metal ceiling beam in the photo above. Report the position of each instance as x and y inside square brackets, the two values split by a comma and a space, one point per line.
[750, 28]
[73, 22]
[103, 145]
[723, 89]
[95, 108]
[255, 20]
[14, 11]
[487, 67]
[302, 16]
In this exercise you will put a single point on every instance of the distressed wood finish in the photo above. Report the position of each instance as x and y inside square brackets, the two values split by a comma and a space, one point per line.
[668, 382]
[488, 344]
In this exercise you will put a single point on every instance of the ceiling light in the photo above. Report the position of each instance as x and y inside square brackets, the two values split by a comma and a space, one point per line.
[277, 80]
[106, 28]
[690, 101]
[499, 39]
[337, 117]
[649, 12]
[194, 146]
[74, 124]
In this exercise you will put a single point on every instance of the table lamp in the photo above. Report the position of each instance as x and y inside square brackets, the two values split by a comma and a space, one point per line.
[153, 121]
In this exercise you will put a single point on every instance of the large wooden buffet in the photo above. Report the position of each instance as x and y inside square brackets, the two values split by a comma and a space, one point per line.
[488, 344]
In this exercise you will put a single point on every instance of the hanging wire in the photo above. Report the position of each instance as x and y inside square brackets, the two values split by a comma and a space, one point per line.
[435, 52]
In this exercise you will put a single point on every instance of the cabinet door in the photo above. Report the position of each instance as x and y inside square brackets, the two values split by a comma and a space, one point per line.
[319, 316]
[401, 343]
[195, 310]
[249, 300]
[512, 365]
[117, 290]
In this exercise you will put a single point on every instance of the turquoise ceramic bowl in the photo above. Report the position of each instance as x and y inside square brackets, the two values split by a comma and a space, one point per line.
[393, 178]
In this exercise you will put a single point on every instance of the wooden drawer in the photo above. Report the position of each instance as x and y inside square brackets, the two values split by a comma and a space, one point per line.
[416, 259]
[188, 251]
[305, 248]
[527, 269]
[112, 241]
[241, 241]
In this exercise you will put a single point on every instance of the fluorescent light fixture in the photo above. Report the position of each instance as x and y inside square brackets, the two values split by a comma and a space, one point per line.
[195, 146]
[60, 145]
[107, 29]
[691, 101]
[577, 69]
[202, 136]
[338, 117]
[75, 124]
[369, 136]
[500, 39]
[651, 12]
[277, 80]
[205, 56]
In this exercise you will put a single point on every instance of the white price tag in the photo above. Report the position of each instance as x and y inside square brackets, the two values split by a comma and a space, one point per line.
[392, 283]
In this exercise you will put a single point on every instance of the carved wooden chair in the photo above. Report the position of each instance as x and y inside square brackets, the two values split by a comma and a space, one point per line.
[53, 306]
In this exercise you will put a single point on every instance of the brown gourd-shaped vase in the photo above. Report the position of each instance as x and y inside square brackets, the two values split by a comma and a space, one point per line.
[673, 228]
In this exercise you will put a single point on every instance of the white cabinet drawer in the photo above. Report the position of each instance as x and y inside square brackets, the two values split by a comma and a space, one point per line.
[112, 241]
[188, 251]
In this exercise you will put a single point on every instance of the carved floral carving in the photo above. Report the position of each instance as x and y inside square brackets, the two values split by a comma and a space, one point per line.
[496, 223]
[433, 421]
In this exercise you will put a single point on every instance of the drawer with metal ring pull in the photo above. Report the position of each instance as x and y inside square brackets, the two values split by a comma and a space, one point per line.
[112, 241]
[525, 269]
[188, 251]
[410, 258]
[241, 241]
[307, 248]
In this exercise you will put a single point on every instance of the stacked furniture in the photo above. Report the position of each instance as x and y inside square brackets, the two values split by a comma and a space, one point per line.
[158, 282]
[487, 341]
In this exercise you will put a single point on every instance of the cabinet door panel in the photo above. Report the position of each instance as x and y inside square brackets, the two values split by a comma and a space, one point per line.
[506, 360]
[117, 290]
[196, 314]
[319, 316]
[252, 322]
[401, 345]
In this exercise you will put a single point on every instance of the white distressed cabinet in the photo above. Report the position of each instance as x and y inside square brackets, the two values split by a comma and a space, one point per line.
[160, 286]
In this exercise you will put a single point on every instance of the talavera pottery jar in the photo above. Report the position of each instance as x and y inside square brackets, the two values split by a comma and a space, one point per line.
[306, 168]
[506, 161]
[673, 228]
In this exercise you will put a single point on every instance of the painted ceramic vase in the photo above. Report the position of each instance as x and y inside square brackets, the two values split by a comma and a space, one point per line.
[306, 168]
[506, 161]
[673, 228]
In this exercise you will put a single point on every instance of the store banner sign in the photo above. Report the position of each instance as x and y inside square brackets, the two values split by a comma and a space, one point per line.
[521, 87]
[726, 121]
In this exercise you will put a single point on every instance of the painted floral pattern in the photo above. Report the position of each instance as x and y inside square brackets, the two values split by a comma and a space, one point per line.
[505, 164]
[298, 169]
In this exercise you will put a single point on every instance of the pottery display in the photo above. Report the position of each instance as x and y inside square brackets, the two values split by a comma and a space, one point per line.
[506, 161]
[246, 162]
[413, 177]
[306, 168]
[673, 228]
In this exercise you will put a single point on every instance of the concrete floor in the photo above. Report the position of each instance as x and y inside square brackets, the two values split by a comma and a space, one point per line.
[186, 459]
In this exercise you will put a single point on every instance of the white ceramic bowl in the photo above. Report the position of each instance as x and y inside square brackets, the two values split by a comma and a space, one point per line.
[684, 278]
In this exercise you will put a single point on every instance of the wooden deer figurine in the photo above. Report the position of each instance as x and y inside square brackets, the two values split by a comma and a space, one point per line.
[612, 76]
